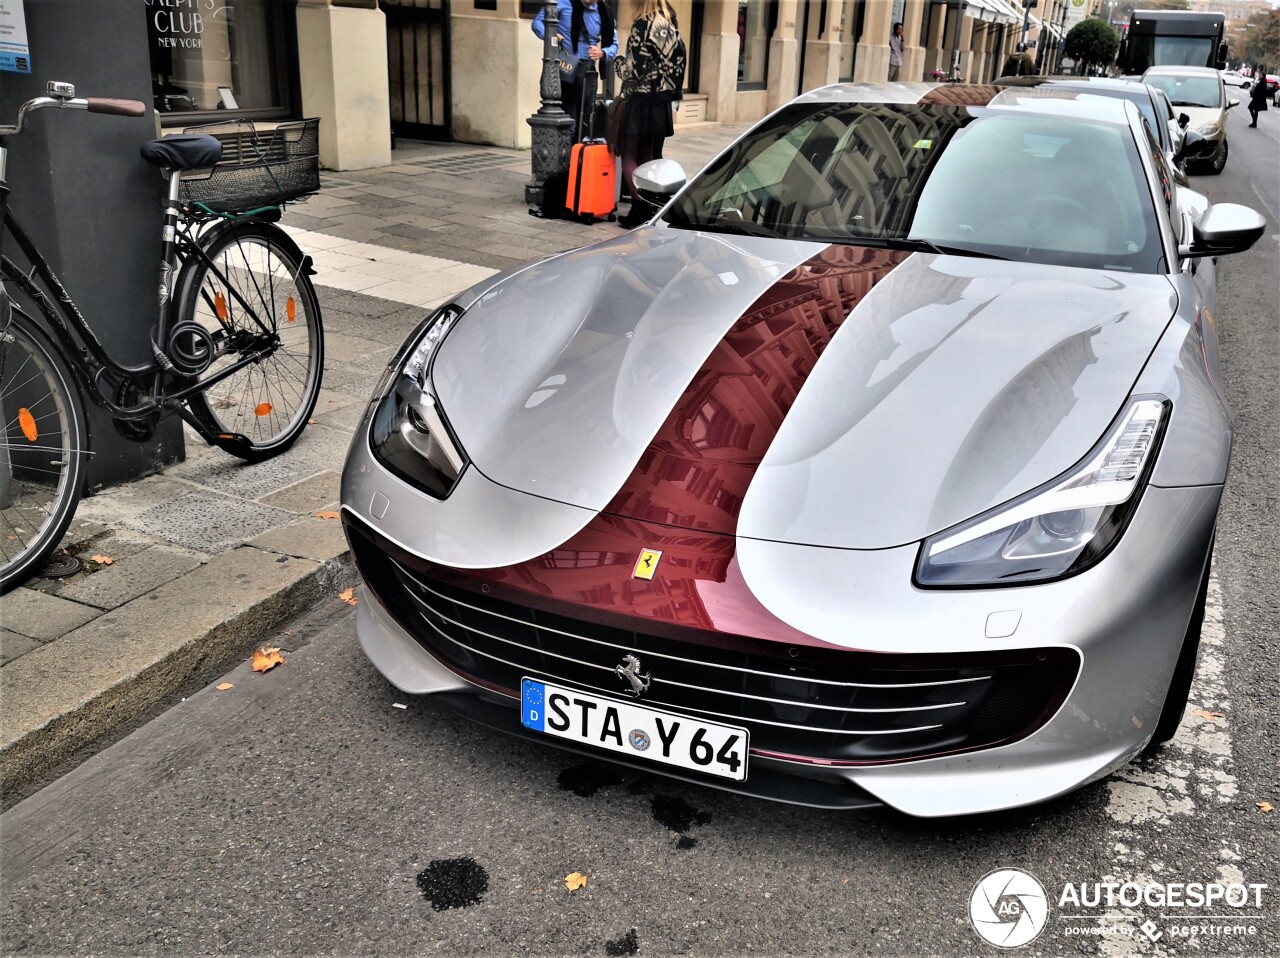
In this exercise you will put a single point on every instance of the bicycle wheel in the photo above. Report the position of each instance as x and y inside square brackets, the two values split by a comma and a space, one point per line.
[42, 452]
[255, 297]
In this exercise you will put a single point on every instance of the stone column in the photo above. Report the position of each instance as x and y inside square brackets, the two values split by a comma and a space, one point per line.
[966, 44]
[913, 55]
[552, 127]
[822, 56]
[718, 75]
[935, 55]
[342, 66]
[871, 62]
[784, 56]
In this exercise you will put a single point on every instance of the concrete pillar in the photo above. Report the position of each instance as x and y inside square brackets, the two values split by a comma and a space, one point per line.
[822, 55]
[342, 65]
[912, 53]
[935, 56]
[966, 47]
[784, 57]
[872, 58]
[718, 67]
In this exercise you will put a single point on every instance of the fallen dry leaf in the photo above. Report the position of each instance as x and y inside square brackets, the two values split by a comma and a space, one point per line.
[312, 422]
[575, 881]
[264, 659]
[1211, 716]
[327, 514]
[349, 596]
[1265, 806]
[224, 686]
[102, 560]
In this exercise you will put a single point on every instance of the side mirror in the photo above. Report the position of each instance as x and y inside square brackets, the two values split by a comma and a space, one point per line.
[1231, 103]
[1222, 229]
[1183, 121]
[659, 180]
[1194, 146]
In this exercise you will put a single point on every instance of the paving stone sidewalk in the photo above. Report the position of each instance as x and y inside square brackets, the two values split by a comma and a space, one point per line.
[210, 556]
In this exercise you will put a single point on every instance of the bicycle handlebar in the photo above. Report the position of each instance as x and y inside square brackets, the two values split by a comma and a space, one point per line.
[99, 104]
[62, 96]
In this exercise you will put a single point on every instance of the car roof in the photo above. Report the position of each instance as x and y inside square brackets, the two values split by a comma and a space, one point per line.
[1044, 98]
[1183, 71]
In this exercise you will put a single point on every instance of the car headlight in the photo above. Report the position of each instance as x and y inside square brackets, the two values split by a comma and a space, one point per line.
[409, 434]
[1210, 129]
[1060, 529]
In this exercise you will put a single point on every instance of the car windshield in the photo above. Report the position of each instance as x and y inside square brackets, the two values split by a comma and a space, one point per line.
[1189, 91]
[978, 181]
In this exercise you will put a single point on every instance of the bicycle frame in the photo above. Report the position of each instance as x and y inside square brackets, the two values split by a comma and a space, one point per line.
[84, 350]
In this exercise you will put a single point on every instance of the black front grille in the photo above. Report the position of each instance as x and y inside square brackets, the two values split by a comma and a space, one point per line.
[818, 703]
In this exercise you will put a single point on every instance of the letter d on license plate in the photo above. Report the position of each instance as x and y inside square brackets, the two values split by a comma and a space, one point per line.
[631, 729]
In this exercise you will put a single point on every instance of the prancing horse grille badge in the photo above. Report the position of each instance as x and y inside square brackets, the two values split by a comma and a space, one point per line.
[647, 564]
[629, 671]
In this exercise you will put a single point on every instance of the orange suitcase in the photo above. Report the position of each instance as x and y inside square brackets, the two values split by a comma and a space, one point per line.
[593, 181]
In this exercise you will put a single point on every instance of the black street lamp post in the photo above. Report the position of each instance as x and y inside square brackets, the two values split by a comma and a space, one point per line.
[552, 127]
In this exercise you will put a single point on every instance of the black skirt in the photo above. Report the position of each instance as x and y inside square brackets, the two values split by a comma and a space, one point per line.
[649, 116]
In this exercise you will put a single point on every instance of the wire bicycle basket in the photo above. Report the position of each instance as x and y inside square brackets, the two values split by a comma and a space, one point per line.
[258, 168]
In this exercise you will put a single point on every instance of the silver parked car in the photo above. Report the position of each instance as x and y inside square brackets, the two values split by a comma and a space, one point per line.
[882, 466]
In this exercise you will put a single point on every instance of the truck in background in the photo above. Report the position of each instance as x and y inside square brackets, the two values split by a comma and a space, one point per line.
[1173, 38]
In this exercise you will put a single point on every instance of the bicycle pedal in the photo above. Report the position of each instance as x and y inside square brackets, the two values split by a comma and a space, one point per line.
[233, 442]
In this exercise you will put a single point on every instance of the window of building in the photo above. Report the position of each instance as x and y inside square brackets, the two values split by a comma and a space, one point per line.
[217, 55]
[757, 19]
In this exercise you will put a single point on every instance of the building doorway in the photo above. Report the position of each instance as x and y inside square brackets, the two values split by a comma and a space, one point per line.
[418, 68]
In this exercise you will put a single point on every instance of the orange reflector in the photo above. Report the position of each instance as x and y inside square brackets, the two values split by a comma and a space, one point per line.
[264, 409]
[291, 310]
[28, 424]
[220, 305]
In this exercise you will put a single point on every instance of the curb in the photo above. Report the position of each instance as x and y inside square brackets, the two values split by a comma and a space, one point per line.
[97, 682]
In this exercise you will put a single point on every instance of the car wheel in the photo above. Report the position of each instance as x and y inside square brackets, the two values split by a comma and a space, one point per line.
[1219, 162]
[1180, 685]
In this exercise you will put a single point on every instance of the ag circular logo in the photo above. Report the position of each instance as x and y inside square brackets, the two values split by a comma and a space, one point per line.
[1008, 908]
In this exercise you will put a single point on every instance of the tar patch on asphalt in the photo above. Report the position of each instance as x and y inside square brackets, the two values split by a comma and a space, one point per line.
[679, 816]
[587, 779]
[626, 945]
[453, 883]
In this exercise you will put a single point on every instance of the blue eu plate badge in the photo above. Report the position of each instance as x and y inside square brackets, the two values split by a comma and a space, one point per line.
[533, 698]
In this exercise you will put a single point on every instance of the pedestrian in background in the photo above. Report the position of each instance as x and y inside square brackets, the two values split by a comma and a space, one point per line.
[1258, 95]
[895, 53]
[585, 31]
[653, 81]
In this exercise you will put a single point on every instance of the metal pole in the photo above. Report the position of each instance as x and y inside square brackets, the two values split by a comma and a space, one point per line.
[955, 42]
[552, 132]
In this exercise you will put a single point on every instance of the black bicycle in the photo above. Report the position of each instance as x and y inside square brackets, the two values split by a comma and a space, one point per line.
[237, 350]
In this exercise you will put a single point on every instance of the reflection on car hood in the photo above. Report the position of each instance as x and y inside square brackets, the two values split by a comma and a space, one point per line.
[829, 395]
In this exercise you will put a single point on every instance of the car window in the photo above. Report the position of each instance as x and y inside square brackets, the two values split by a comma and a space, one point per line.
[1189, 91]
[1164, 181]
[989, 181]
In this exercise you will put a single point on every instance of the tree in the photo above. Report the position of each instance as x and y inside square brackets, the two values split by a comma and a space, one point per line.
[1093, 43]
[1259, 43]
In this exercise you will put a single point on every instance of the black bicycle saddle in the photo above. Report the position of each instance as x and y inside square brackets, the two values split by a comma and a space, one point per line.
[183, 151]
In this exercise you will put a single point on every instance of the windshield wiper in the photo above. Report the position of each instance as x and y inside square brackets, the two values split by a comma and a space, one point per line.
[916, 244]
[736, 227]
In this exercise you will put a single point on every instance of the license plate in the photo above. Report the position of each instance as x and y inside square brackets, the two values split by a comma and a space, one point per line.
[635, 730]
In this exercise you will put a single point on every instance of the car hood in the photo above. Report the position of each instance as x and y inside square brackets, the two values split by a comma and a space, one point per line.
[797, 392]
[1202, 115]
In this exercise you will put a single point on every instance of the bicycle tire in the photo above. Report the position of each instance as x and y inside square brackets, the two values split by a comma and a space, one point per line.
[269, 401]
[44, 427]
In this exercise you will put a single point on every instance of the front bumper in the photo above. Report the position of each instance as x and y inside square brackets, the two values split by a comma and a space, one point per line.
[1124, 621]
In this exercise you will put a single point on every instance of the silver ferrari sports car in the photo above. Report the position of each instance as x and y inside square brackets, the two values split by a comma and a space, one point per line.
[881, 467]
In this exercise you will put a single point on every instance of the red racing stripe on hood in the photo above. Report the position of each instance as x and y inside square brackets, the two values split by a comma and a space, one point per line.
[698, 466]
[682, 499]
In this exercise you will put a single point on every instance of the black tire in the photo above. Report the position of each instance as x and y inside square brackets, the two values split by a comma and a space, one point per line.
[1184, 672]
[1218, 163]
[269, 401]
[42, 451]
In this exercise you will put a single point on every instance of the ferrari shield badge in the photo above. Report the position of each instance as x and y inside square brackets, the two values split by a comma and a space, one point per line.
[647, 564]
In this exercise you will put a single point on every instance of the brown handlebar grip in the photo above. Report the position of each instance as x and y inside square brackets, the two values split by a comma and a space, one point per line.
[101, 104]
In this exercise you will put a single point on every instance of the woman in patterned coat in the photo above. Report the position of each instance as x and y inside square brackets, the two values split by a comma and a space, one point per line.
[653, 79]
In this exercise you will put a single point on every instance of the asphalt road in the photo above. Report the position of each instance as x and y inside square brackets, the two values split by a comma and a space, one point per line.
[303, 812]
